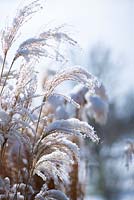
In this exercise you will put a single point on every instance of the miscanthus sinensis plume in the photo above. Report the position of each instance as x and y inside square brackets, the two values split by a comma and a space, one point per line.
[35, 146]
[9, 34]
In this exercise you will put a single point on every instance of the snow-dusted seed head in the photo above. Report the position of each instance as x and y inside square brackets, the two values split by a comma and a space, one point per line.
[32, 47]
[53, 165]
[36, 145]
[74, 127]
[22, 16]
[25, 78]
[75, 73]
[51, 194]
[57, 35]
[44, 45]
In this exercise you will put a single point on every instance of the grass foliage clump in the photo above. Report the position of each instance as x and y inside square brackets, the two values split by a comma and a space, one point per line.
[36, 146]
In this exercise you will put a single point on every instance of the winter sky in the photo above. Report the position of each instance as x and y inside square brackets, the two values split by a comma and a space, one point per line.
[107, 21]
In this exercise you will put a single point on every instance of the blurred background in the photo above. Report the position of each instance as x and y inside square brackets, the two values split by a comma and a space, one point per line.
[105, 34]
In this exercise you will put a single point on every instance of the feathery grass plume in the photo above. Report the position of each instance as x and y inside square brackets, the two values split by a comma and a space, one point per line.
[10, 192]
[72, 126]
[56, 141]
[22, 16]
[85, 81]
[59, 149]
[30, 48]
[75, 73]
[35, 145]
[50, 194]
[54, 166]
[53, 194]
[44, 45]
[26, 81]
[9, 34]
[58, 35]
[66, 98]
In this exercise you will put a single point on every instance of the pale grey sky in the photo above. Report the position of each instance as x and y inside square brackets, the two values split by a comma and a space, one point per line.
[106, 21]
